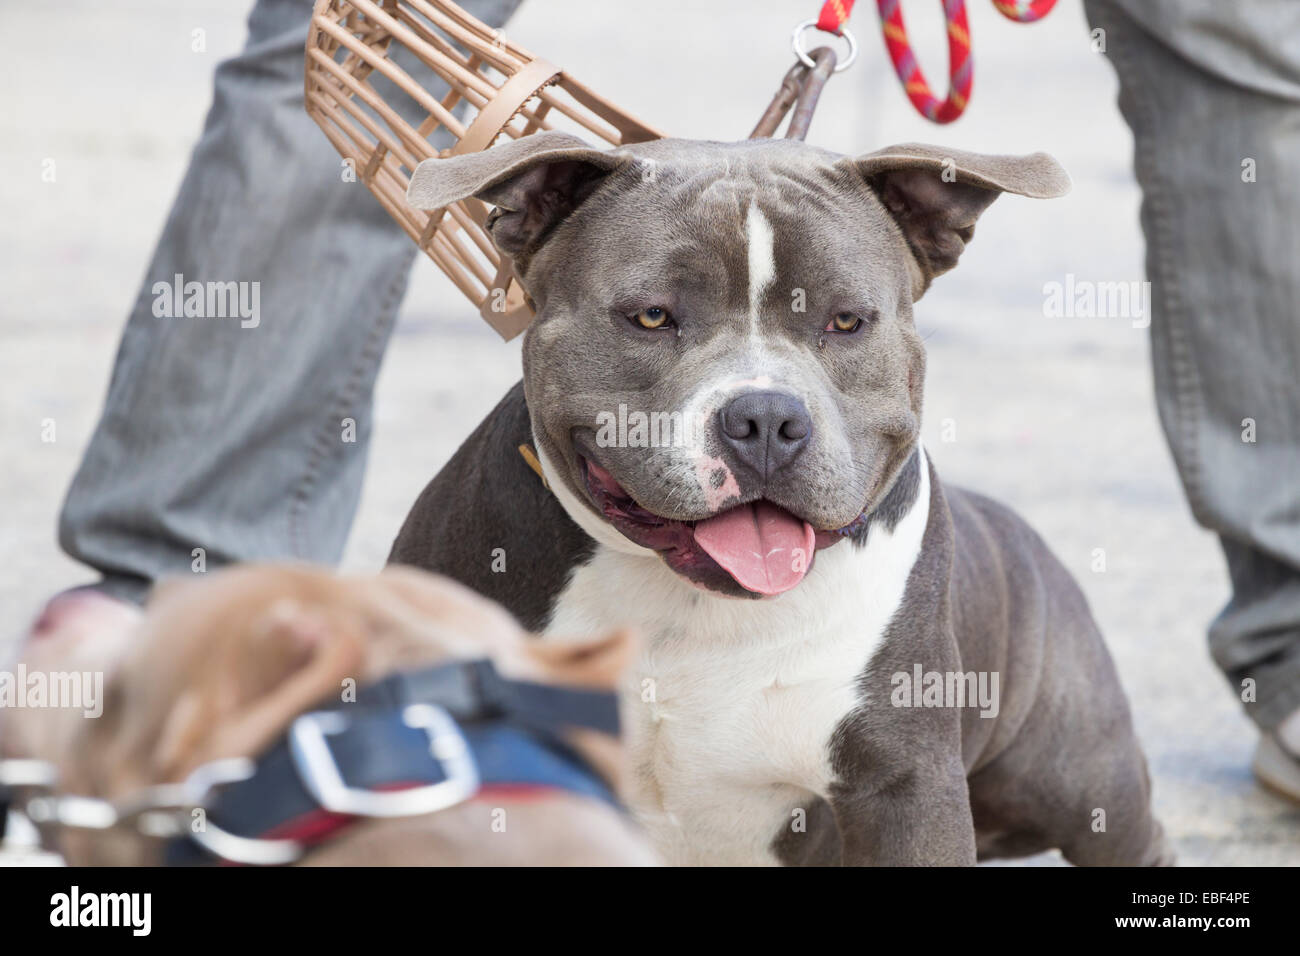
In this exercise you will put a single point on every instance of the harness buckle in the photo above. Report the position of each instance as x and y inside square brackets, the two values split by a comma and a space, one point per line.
[320, 774]
[151, 813]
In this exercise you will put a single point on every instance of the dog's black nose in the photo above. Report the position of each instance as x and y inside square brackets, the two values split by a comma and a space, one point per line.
[767, 429]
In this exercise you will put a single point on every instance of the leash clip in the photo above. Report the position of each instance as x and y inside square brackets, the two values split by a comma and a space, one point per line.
[319, 771]
[155, 811]
[797, 45]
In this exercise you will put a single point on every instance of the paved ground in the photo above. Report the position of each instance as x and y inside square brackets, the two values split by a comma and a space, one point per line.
[1054, 416]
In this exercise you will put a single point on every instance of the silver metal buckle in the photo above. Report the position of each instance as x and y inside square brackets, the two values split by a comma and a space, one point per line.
[198, 791]
[248, 850]
[320, 774]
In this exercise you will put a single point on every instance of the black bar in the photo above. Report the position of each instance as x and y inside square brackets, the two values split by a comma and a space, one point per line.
[1008, 904]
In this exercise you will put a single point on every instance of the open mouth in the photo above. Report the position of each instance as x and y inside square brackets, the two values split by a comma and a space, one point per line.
[759, 546]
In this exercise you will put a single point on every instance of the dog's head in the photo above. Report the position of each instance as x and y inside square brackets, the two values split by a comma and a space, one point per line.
[723, 369]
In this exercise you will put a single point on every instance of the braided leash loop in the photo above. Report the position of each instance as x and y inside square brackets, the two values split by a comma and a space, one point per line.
[835, 13]
[960, 73]
[1024, 11]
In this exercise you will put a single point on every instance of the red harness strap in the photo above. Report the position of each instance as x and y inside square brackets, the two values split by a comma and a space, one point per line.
[315, 827]
[518, 792]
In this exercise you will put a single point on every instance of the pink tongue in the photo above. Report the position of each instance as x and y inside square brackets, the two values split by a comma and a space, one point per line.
[765, 548]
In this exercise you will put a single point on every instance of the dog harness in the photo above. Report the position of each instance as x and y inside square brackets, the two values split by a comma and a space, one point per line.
[411, 744]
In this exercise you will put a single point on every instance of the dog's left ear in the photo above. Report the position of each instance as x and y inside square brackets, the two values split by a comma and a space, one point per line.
[534, 182]
[936, 194]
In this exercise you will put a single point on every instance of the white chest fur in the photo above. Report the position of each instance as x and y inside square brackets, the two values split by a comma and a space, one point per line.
[729, 710]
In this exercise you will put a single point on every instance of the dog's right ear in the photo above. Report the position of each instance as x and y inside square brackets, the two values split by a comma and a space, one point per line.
[534, 182]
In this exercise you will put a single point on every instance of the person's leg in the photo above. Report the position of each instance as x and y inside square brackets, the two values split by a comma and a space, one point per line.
[232, 436]
[1217, 135]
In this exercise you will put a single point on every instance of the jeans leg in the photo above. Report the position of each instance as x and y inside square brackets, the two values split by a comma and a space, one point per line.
[1218, 159]
[248, 438]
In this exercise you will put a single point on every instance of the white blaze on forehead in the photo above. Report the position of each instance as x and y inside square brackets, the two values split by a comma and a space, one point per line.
[762, 258]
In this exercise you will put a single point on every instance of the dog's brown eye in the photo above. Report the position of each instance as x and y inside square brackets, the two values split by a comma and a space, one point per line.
[655, 318]
[843, 322]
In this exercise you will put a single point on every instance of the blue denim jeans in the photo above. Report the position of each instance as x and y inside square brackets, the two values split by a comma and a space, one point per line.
[1211, 91]
[227, 434]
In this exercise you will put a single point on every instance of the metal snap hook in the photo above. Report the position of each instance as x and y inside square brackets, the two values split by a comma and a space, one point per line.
[796, 44]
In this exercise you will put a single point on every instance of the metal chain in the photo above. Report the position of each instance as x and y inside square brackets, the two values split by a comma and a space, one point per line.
[148, 810]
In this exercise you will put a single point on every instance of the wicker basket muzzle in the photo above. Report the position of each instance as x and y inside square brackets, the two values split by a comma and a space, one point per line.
[379, 117]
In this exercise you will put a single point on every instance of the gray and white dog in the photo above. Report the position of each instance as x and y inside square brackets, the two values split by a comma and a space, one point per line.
[844, 661]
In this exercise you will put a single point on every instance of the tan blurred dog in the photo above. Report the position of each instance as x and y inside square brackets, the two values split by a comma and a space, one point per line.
[221, 667]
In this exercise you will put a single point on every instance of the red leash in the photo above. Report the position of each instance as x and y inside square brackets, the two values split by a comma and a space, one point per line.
[835, 13]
